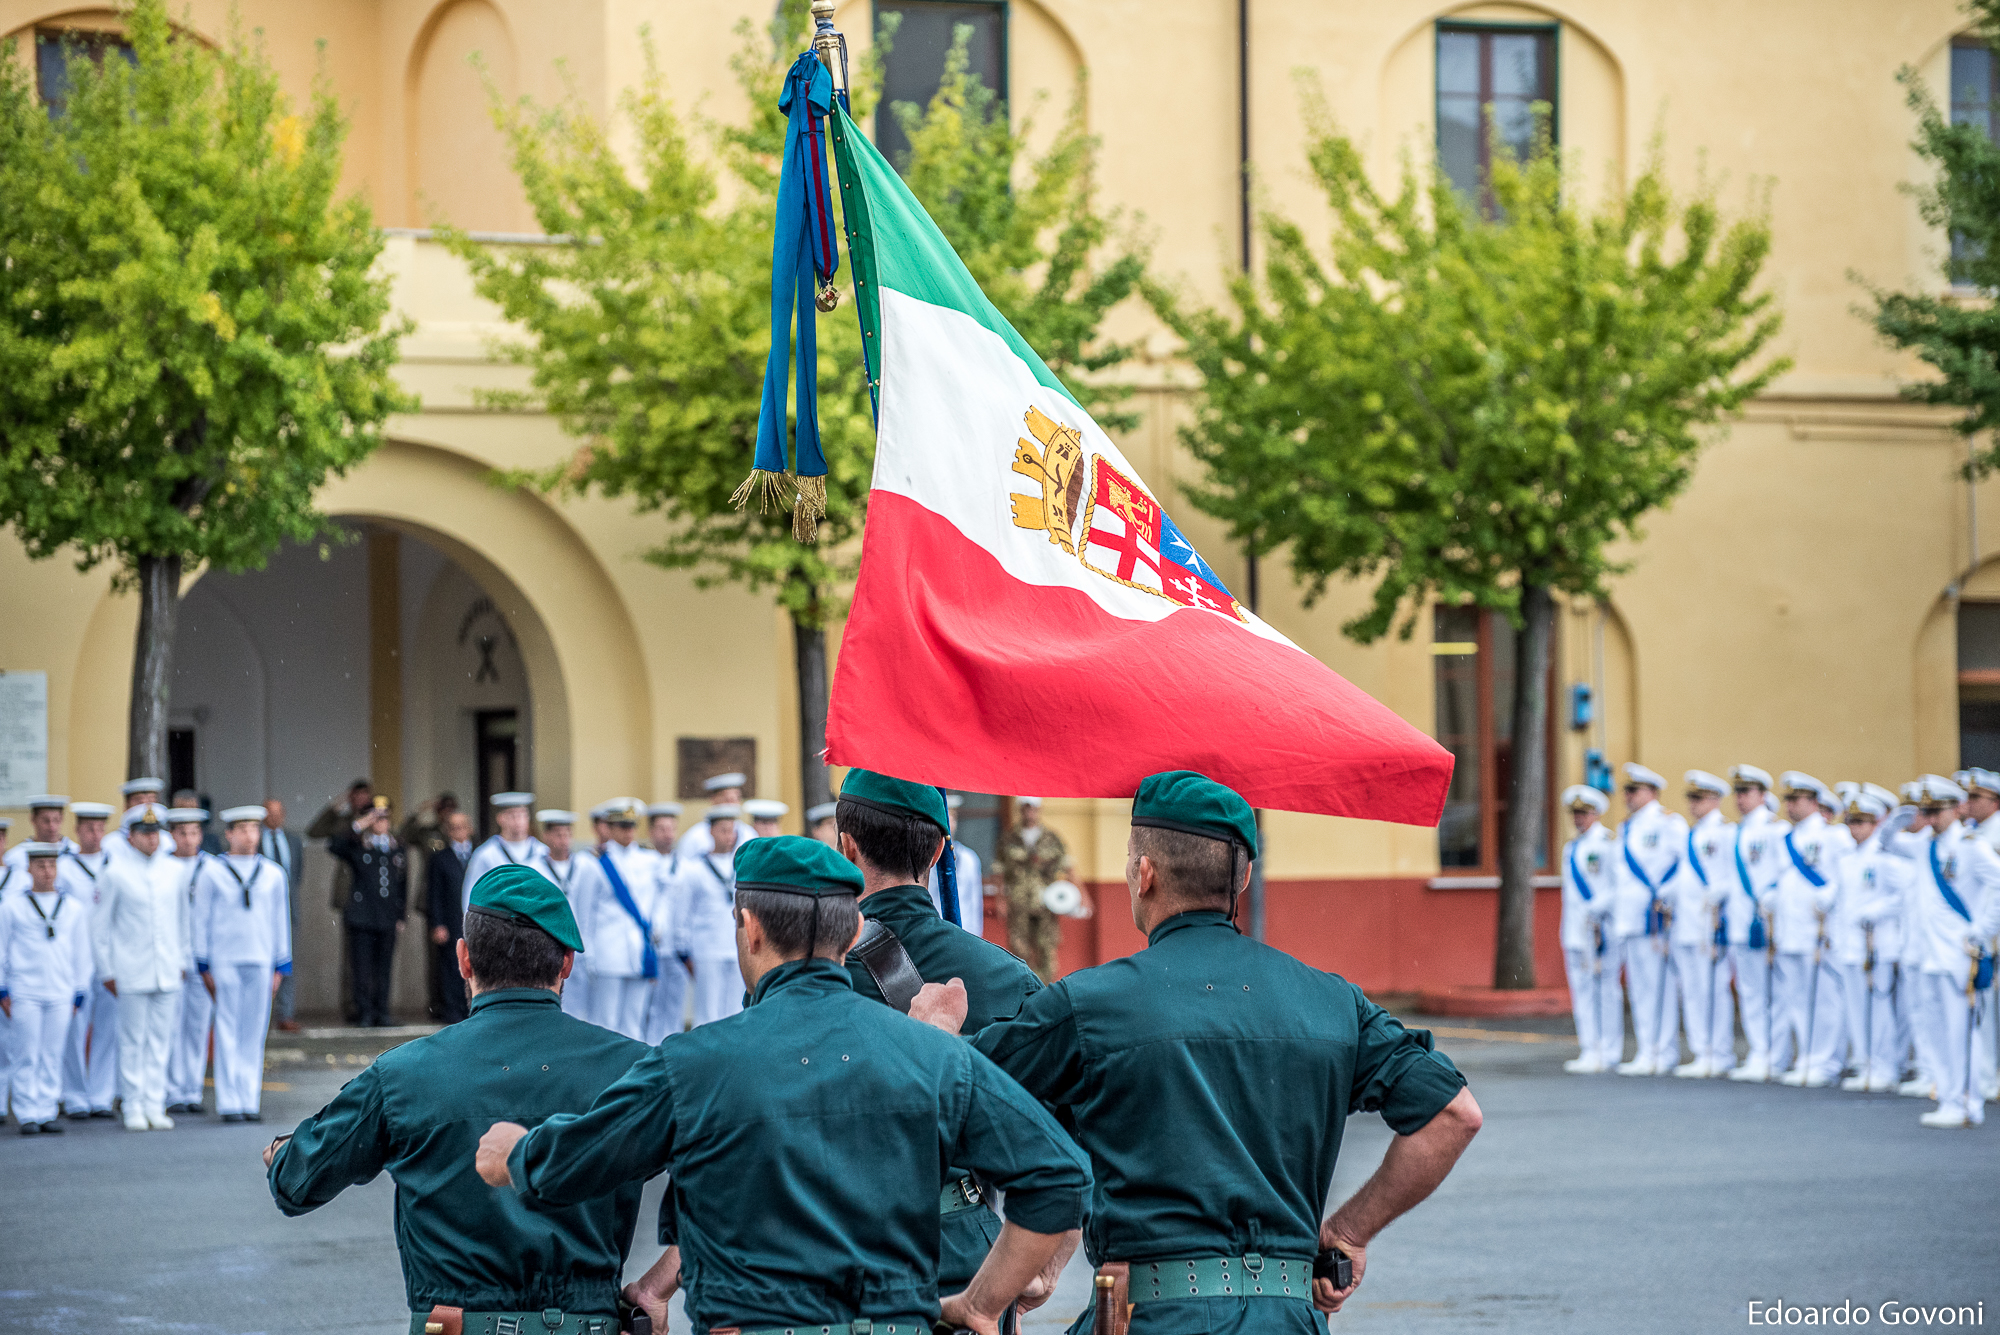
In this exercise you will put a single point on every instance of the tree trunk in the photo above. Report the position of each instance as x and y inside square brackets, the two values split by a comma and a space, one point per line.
[153, 666]
[1527, 805]
[809, 649]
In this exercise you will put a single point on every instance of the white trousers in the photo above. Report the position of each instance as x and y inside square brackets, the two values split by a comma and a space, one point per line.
[1917, 1008]
[666, 1009]
[1594, 1001]
[189, 1061]
[1871, 1020]
[1791, 993]
[718, 988]
[35, 1040]
[145, 1033]
[1752, 970]
[1983, 1051]
[1953, 1043]
[242, 1021]
[619, 1004]
[1826, 1022]
[1706, 1016]
[90, 1064]
[576, 992]
[1649, 988]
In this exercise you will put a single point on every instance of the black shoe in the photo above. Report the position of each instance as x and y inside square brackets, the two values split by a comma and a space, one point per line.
[31, 1128]
[82, 1116]
[104, 1113]
[253, 1117]
[232, 1117]
[49, 1129]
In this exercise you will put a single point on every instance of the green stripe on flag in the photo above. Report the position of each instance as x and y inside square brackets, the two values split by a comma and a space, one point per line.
[893, 243]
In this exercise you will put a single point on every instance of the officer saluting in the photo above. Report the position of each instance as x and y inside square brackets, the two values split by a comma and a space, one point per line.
[476, 1252]
[804, 1135]
[1210, 1077]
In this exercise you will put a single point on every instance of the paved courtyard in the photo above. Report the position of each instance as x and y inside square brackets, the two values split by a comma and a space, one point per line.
[1588, 1204]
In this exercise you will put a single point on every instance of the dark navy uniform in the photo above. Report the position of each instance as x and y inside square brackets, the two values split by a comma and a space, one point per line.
[378, 898]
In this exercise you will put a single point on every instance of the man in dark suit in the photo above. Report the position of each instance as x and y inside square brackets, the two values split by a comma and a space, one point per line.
[282, 847]
[444, 877]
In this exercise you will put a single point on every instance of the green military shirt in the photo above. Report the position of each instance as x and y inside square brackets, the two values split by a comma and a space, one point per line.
[419, 1112]
[806, 1137]
[1209, 1077]
[996, 984]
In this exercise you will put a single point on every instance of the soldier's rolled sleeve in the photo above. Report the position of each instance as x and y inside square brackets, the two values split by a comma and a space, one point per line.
[1010, 1141]
[344, 1144]
[626, 1136]
[1040, 1047]
[1399, 1073]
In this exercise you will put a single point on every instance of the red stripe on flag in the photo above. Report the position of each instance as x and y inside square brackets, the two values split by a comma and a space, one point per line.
[953, 672]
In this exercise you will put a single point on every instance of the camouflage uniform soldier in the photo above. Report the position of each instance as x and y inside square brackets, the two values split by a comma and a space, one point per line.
[1031, 856]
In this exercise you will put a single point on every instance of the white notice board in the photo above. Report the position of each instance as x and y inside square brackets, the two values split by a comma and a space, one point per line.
[24, 736]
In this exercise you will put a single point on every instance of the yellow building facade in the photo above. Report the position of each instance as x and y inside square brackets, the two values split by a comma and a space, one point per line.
[1818, 599]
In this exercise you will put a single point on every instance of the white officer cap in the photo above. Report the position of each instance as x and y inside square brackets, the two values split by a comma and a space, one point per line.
[617, 811]
[1027, 801]
[1750, 774]
[824, 811]
[144, 784]
[38, 850]
[1912, 791]
[555, 816]
[503, 801]
[189, 816]
[953, 801]
[1701, 781]
[1934, 790]
[1962, 777]
[765, 808]
[715, 783]
[90, 810]
[146, 813]
[47, 801]
[1846, 788]
[1793, 782]
[1865, 803]
[663, 809]
[1770, 802]
[723, 811]
[1888, 798]
[6, 822]
[1582, 797]
[252, 811]
[1981, 781]
[1637, 773]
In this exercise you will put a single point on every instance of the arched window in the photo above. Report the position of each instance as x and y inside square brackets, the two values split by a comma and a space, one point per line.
[1496, 72]
[1979, 685]
[924, 31]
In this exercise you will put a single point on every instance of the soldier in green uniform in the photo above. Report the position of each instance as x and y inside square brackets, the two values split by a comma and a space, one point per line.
[419, 1109]
[1209, 1078]
[805, 1136]
[1031, 856]
[893, 830]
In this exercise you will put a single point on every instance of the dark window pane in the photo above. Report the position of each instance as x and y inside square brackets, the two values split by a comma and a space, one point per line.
[1458, 63]
[1516, 123]
[917, 52]
[1459, 137]
[1978, 636]
[1971, 85]
[1979, 734]
[1490, 76]
[54, 47]
[1517, 70]
[1457, 675]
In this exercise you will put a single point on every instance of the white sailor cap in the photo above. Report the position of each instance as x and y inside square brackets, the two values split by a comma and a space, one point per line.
[555, 816]
[189, 816]
[663, 809]
[1978, 781]
[145, 814]
[1846, 788]
[143, 784]
[1794, 782]
[1637, 773]
[1934, 790]
[251, 811]
[1027, 801]
[824, 811]
[715, 783]
[1582, 797]
[47, 801]
[1701, 781]
[953, 801]
[503, 801]
[90, 810]
[722, 811]
[765, 808]
[1888, 798]
[1744, 776]
[40, 850]
[1865, 803]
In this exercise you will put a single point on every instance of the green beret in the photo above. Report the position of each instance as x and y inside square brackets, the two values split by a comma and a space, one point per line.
[513, 890]
[1195, 804]
[792, 865]
[898, 797]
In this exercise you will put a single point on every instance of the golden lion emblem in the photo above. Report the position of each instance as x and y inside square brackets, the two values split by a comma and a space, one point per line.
[1058, 468]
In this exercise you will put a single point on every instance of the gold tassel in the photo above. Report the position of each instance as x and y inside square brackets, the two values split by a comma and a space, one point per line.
[809, 508]
[765, 485]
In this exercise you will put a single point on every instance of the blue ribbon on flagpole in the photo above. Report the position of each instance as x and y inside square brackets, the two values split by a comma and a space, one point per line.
[948, 874]
[804, 254]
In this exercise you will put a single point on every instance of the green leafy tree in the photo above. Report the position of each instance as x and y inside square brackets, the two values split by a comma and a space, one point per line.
[191, 338]
[644, 327]
[1960, 339]
[1470, 410]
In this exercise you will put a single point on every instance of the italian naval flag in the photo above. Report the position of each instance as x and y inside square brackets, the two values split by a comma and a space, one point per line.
[1029, 619]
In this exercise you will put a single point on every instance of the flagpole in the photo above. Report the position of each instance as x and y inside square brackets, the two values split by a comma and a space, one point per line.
[830, 44]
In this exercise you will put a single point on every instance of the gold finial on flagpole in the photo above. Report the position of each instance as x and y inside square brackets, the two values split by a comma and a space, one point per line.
[831, 45]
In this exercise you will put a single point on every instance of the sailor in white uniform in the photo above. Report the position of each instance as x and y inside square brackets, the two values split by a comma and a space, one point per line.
[667, 1009]
[1982, 814]
[1746, 915]
[90, 1066]
[561, 865]
[618, 932]
[1957, 916]
[187, 1059]
[721, 790]
[1864, 933]
[710, 933]
[971, 876]
[1652, 852]
[45, 966]
[138, 794]
[139, 939]
[1915, 1034]
[243, 948]
[1588, 960]
[514, 843]
[1811, 1015]
[45, 822]
[1700, 950]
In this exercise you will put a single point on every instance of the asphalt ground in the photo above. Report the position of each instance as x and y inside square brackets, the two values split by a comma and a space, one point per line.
[1588, 1203]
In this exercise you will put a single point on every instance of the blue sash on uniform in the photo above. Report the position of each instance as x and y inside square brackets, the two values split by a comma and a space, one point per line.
[1743, 875]
[1813, 878]
[1654, 923]
[1944, 887]
[649, 959]
[1701, 874]
[1583, 888]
